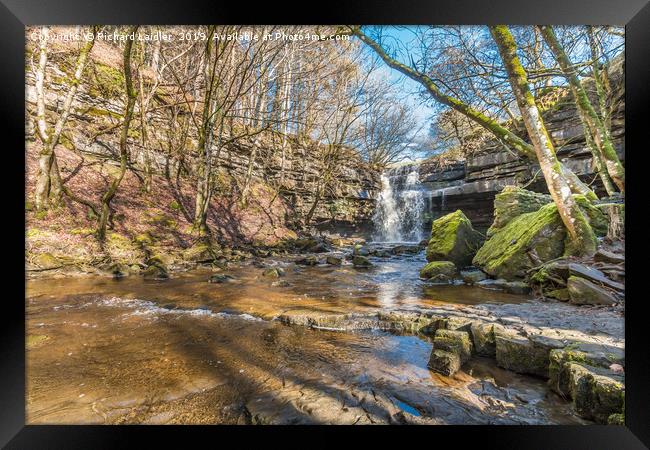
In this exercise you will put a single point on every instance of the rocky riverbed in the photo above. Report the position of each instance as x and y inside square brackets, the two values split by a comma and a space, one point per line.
[281, 341]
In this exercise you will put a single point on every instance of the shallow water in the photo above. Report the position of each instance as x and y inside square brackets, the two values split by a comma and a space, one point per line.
[188, 351]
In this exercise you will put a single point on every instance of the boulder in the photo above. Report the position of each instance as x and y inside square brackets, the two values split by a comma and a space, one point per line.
[445, 363]
[596, 395]
[273, 272]
[512, 202]
[472, 276]
[597, 356]
[361, 250]
[521, 354]
[454, 341]
[436, 268]
[453, 239]
[334, 261]
[361, 261]
[512, 287]
[155, 272]
[307, 261]
[484, 338]
[220, 278]
[401, 249]
[531, 238]
[505, 254]
[584, 292]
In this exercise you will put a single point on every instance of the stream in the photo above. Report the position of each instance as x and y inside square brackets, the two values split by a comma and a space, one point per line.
[113, 351]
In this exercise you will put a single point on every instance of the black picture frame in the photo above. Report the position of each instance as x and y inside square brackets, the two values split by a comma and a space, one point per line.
[16, 14]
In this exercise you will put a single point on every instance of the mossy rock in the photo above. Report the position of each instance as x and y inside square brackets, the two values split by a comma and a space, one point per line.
[519, 354]
[453, 239]
[454, 341]
[155, 272]
[47, 261]
[512, 202]
[484, 338]
[201, 253]
[596, 395]
[585, 292]
[361, 261]
[599, 222]
[505, 254]
[444, 363]
[436, 268]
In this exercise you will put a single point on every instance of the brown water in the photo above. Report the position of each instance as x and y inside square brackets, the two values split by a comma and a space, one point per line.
[188, 351]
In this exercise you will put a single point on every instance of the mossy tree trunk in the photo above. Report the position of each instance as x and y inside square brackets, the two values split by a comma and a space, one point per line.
[48, 181]
[595, 125]
[128, 115]
[582, 238]
[504, 135]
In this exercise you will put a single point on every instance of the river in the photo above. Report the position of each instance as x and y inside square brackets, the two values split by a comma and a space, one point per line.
[187, 351]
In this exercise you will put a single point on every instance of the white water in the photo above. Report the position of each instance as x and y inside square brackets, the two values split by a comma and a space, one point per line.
[400, 208]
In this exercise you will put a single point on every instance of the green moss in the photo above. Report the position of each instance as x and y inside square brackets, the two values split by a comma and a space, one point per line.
[514, 201]
[174, 205]
[108, 81]
[504, 255]
[435, 268]
[453, 239]
[82, 231]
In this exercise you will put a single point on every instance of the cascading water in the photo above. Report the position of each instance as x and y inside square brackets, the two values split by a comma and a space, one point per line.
[400, 207]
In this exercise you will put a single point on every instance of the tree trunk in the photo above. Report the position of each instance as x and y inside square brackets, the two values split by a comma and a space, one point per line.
[595, 125]
[128, 115]
[507, 137]
[50, 138]
[582, 238]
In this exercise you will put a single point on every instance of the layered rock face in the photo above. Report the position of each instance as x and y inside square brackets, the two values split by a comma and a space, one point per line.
[471, 185]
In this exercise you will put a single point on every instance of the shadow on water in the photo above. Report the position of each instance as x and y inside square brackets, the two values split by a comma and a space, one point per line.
[133, 351]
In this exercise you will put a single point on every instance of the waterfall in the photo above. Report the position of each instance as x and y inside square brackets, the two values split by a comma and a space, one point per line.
[400, 206]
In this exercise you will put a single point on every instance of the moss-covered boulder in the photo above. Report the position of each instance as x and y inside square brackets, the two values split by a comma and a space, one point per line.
[453, 239]
[530, 238]
[361, 261]
[445, 269]
[506, 253]
[512, 202]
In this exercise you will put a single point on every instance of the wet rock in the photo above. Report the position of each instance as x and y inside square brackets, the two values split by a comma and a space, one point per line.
[155, 272]
[273, 272]
[445, 363]
[281, 283]
[454, 341]
[307, 261]
[334, 261]
[558, 294]
[483, 337]
[361, 250]
[472, 276]
[401, 249]
[584, 292]
[453, 239]
[221, 278]
[435, 268]
[512, 202]
[361, 261]
[512, 287]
